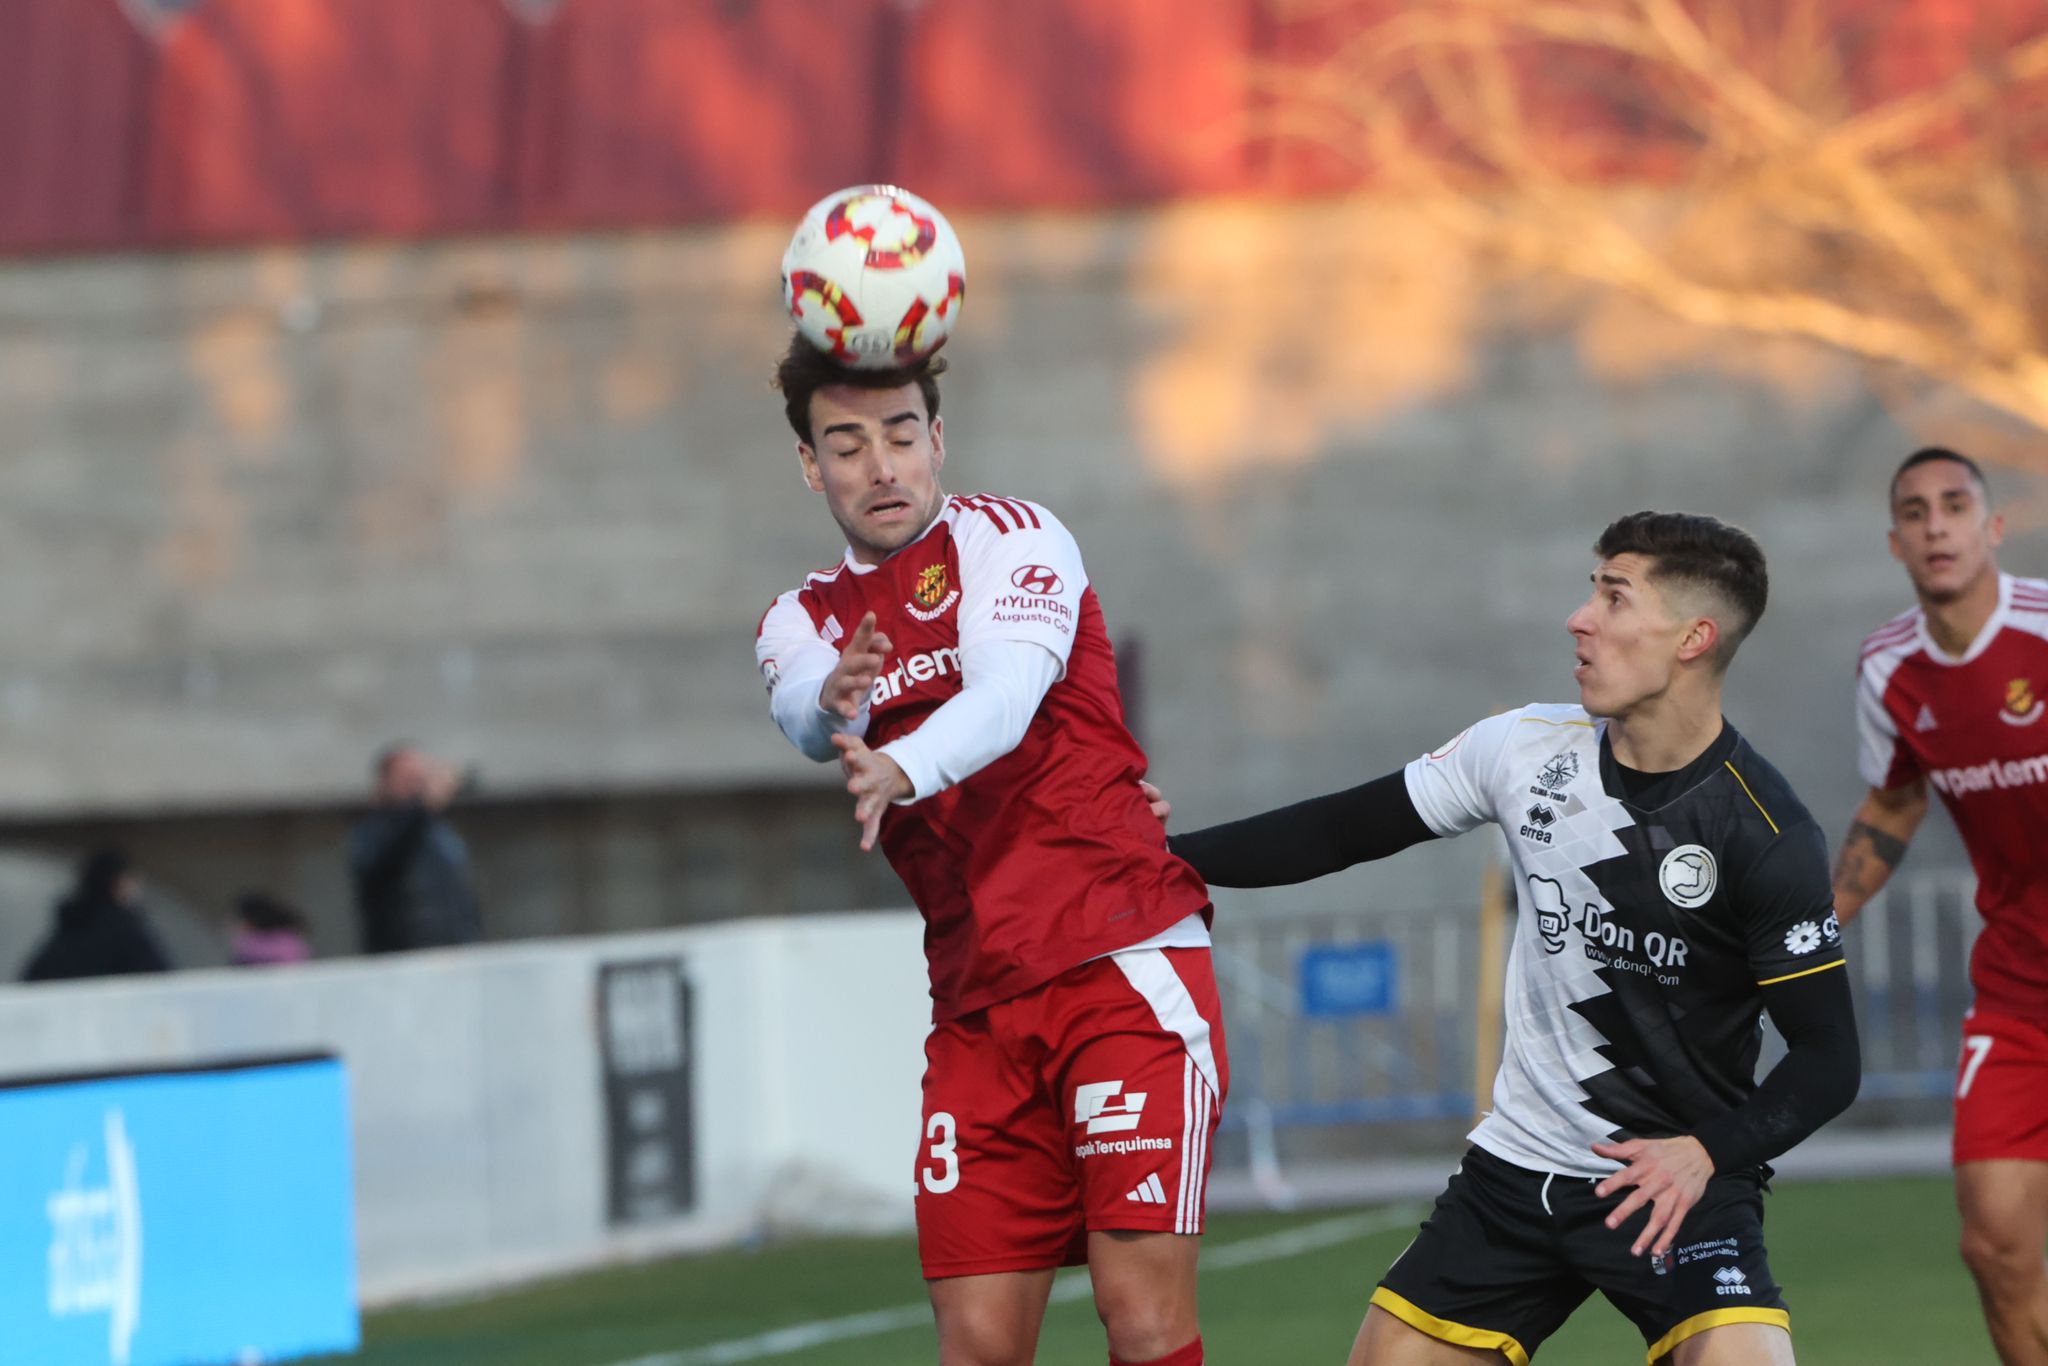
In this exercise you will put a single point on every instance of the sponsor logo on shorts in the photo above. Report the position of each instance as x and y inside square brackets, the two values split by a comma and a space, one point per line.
[1729, 1280]
[1702, 1252]
[1098, 1105]
[1149, 1191]
[1118, 1147]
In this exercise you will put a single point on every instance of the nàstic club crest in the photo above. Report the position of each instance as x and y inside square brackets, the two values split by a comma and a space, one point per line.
[931, 595]
[2022, 705]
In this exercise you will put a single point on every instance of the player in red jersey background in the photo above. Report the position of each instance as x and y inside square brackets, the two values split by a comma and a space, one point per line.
[956, 664]
[1950, 696]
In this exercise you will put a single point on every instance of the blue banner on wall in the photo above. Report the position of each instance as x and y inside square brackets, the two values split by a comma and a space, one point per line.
[1348, 979]
[178, 1217]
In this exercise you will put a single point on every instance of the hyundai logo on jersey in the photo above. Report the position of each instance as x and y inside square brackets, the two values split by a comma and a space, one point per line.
[161, 1219]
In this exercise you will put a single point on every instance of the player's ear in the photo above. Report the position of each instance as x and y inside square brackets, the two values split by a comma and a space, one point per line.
[1891, 538]
[808, 460]
[1996, 529]
[938, 444]
[1700, 640]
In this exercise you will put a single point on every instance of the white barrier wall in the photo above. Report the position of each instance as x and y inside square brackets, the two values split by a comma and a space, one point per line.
[477, 1088]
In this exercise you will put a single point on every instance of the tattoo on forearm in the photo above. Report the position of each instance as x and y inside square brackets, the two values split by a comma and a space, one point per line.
[1868, 857]
[1888, 848]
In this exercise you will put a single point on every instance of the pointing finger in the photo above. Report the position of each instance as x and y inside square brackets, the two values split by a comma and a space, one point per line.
[862, 634]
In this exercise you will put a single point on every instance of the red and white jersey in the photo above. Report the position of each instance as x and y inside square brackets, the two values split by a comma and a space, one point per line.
[1974, 728]
[1050, 855]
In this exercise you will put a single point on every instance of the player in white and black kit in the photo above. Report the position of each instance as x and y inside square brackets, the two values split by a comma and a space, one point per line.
[1671, 887]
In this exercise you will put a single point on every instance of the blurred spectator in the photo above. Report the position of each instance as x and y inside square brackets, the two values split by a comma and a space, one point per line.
[100, 930]
[267, 932]
[410, 869]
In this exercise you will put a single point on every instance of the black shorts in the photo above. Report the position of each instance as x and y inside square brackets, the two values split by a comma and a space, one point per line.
[1508, 1254]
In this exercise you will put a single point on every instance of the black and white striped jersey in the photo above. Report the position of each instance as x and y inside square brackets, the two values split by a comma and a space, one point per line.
[1654, 908]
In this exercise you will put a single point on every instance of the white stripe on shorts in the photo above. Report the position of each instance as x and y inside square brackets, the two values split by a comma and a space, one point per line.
[1151, 975]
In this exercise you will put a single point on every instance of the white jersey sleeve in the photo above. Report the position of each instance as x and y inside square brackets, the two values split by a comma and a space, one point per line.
[1021, 577]
[1878, 755]
[794, 661]
[1453, 787]
[1002, 683]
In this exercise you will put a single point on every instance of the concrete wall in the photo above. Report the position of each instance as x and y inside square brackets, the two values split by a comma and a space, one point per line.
[476, 1085]
[525, 500]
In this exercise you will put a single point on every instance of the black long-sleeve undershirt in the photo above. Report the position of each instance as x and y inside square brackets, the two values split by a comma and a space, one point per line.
[1815, 1081]
[1309, 839]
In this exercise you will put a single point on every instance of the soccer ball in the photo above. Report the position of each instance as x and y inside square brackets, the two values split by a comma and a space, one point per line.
[874, 277]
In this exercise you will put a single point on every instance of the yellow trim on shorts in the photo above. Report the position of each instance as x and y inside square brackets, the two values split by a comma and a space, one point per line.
[1443, 1330]
[1716, 1318]
[1752, 797]
[1806, 972]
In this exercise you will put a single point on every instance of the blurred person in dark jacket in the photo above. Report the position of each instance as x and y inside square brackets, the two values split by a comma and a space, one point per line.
[100, 930]
[267, 931]
[410, 870]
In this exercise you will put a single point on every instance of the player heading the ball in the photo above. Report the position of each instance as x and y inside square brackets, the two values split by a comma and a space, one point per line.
[955, 664]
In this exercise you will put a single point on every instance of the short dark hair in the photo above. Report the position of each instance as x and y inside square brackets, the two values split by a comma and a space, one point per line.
[101, 871]
[1693, 548]
[804, 369]
[1927, 455]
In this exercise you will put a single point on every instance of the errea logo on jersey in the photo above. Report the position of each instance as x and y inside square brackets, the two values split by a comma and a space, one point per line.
[1097, 1106]
[914, 670]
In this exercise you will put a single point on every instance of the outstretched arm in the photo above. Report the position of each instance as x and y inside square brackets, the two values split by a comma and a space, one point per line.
[815, 690]
[1883, 826]
[1308, 839]
[1002, 684]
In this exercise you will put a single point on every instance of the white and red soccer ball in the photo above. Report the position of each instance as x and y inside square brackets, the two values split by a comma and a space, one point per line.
[874, 277]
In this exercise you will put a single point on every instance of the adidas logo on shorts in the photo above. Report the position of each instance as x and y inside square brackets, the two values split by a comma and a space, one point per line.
[1149, 1191]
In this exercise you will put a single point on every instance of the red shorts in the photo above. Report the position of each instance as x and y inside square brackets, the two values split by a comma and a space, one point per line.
[1084, 1104]
[2002, 1090]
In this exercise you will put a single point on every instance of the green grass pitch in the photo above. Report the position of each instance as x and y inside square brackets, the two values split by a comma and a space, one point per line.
[1870, 1270]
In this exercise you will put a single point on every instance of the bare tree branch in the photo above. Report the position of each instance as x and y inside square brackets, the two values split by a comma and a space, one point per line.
[1905, 232]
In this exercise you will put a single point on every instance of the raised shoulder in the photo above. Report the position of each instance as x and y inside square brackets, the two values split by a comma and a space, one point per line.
[993, 514]
[1001, 538]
